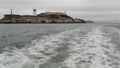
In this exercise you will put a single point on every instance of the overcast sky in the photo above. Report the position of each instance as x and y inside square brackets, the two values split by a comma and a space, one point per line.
[86, 9]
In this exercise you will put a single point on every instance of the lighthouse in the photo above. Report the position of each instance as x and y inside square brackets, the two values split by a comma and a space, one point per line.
[34, 12]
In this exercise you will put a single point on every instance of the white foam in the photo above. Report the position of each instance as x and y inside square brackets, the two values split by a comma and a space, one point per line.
[85, 47]
[92, 52]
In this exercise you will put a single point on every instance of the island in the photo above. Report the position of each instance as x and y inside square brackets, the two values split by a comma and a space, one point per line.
[46, 17]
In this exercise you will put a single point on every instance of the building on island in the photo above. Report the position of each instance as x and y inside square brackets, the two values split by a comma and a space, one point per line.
[47, 17]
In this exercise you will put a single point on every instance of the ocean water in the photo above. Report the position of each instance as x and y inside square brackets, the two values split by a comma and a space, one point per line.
[59, 45]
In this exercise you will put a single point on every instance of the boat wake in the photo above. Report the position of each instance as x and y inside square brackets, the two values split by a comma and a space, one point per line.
[85, 47]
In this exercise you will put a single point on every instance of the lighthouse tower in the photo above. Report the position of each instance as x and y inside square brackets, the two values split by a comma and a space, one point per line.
[34, 12]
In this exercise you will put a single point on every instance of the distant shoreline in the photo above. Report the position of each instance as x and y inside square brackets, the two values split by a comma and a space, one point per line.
[43, 23]
[46, 17]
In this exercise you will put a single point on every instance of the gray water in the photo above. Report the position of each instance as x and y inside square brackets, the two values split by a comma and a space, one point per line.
[21, 35]
[59, 46]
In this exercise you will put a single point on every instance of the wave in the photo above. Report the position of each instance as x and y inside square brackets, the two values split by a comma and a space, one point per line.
[84, 47]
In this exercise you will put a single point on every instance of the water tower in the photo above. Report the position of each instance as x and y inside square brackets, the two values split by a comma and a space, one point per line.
[34, 12]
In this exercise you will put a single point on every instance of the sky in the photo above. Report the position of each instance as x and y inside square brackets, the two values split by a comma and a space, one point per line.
[86, 9]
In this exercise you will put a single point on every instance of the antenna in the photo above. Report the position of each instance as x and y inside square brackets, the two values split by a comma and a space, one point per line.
[34, 12]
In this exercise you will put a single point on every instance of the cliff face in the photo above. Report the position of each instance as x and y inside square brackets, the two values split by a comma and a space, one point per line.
[48, 17]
